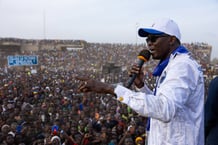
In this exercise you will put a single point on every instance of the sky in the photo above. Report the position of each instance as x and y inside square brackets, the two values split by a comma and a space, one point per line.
[107, 21]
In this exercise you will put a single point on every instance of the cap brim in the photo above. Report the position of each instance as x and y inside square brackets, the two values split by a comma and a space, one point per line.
[144, 32]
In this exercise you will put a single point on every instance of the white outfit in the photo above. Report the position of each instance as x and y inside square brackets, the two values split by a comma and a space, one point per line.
[177, 109]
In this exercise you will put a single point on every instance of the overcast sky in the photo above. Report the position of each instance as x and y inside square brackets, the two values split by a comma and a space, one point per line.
[112, 21]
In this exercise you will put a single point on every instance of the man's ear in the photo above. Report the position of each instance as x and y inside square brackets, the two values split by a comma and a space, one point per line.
[173, 40]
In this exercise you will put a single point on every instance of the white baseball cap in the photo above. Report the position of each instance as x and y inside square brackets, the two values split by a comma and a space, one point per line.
[55, 137]
[161, 26]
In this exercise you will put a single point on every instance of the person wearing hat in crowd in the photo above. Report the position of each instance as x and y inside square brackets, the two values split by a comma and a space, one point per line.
[139, 141]
[176, 105]
[55, 140]
[9, 139]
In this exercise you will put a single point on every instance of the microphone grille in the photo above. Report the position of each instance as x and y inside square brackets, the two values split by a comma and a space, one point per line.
[145, 54]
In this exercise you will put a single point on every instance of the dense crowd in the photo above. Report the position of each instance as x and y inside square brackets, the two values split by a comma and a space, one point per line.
[40, 104]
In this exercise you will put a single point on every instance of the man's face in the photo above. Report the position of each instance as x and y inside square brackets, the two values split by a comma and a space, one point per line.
[55, 142]
[10, 139]
[128, 141]
[159, 46]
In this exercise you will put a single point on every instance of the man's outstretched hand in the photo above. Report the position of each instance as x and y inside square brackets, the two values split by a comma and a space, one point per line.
[91, 85]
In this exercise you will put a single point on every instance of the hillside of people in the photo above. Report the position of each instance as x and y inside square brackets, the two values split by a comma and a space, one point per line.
[40, 103]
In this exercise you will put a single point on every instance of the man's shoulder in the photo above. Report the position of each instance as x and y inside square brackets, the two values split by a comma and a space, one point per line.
[185, 58]
[185, 62]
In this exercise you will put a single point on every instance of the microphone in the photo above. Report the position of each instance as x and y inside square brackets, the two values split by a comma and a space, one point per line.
[143, 56]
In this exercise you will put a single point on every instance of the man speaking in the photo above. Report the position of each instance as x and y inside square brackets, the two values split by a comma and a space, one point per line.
[176, 106]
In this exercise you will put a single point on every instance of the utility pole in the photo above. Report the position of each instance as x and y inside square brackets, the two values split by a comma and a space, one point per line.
[44, 24]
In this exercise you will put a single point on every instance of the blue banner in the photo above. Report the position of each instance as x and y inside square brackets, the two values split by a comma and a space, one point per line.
[19, 60]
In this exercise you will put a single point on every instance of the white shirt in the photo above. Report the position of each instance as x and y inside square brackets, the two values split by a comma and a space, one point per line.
[177, 109]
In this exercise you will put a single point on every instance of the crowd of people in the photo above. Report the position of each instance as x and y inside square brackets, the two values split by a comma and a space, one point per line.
[44, 107]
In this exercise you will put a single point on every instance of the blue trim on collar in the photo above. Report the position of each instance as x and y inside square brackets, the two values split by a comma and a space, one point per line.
[162, 64]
